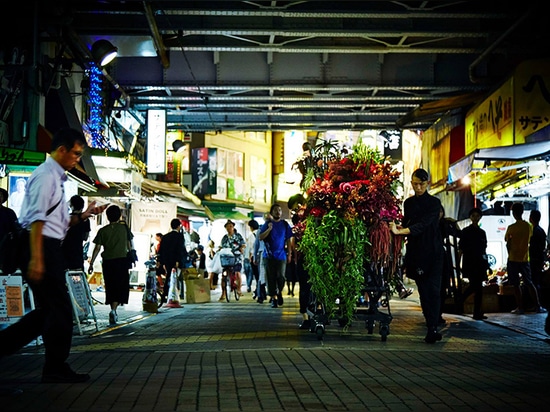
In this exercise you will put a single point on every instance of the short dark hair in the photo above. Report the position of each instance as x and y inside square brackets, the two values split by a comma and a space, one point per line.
[517, 209]
[535, 215]
[175, 223]
[113, 213]
[475, 210]
[67, 137]
[77, 202]
[3, 195]
[421, 174]
[273, 206]
[253, 224]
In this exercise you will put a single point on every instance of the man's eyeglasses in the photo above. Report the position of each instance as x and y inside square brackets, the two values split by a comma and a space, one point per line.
[77, 153]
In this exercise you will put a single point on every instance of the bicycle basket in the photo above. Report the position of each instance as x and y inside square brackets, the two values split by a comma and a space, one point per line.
[228, 260]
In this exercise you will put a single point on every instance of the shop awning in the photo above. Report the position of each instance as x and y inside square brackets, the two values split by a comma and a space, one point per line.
[436, 108]
[227, 211]
[485, 157]
[170, 189]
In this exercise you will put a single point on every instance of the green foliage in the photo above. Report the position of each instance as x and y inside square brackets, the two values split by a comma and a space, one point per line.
[334, 250]
[364, 154]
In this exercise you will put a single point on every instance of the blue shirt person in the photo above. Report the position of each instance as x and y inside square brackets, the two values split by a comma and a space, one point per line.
[276, 235]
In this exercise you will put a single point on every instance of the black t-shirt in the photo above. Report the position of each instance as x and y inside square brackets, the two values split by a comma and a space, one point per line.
[8, 221]
[73, 245]
[537, 244]
[424, 243]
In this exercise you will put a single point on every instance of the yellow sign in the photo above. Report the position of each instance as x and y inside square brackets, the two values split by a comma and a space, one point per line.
[531, 98]
[490, 123]
[519, 108]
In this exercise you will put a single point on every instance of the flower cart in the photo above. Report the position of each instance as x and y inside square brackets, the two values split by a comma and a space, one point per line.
[344, 238]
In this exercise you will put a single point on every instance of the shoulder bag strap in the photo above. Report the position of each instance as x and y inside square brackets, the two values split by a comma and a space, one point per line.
[51, 209]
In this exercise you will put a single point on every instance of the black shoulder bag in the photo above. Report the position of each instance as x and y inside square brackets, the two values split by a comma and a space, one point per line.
[131, 254]
[15, 250]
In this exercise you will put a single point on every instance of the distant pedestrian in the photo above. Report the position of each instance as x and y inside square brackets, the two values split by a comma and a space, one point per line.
[260, 262]
[8, 224]
[517, 238]
[115, 239]
[296, 205]
[8, 218]
[249, 251]
[210, 254]
[473, 250]
[276, 234]
[233, 240]
[537, 249]
[200, 261]
[73, 244]
[172, 254]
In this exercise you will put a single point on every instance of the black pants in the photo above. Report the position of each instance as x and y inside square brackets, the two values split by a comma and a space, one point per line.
[275, 276]
[52, 318]
[429, 290]
[475, 287]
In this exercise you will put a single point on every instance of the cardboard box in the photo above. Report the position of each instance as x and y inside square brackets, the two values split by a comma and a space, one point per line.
[197, 290]
[191, 273]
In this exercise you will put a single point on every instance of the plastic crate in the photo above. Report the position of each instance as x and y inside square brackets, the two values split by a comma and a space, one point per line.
[228, 260]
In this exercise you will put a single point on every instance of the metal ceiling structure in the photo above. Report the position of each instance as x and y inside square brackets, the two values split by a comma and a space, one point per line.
[309, 65]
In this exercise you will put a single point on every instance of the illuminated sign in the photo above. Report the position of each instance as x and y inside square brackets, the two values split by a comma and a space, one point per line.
[490, 123]
[156, 141]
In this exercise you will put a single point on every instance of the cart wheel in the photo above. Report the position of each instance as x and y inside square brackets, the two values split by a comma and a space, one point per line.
[384, 331]
[369, 324]
[384, 303]
[319, 332]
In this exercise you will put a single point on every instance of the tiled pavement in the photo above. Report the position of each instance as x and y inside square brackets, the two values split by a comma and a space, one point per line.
[246, 356]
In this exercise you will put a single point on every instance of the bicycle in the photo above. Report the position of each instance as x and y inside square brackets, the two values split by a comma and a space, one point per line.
[228, 263]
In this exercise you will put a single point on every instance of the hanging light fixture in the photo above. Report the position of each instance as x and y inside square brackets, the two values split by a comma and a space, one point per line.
[103, 52]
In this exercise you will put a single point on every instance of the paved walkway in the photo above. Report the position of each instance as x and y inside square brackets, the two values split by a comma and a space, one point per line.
[246, 356]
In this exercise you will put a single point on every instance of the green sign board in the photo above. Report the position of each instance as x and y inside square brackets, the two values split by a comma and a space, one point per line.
[11, 156]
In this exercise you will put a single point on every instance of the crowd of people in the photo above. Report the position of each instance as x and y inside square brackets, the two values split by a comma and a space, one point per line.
[268, 257]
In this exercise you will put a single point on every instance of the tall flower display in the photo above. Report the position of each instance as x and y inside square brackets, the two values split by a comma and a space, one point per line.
[343, 226]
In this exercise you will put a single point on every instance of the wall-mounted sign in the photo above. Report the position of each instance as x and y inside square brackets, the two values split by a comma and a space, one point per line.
[204, 171]
[156, 141]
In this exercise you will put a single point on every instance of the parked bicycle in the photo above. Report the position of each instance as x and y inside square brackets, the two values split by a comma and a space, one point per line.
[229, 276]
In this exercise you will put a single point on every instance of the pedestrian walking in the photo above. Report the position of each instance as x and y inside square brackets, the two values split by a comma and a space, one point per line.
[276, 235]
[517, 238]
[115, 239]
[172, 254]
[73, 244]
[233, 240]
[537, 250]
[45, 215]
[424, 250]
[473, 251]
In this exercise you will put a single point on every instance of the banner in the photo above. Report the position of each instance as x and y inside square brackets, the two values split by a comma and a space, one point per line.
[151, 217]
[204, 171]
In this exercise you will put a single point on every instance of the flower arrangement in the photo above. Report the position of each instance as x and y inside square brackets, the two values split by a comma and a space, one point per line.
[343, 227]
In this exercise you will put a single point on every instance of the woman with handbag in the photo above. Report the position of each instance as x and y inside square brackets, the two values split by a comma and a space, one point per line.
[116, 239]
